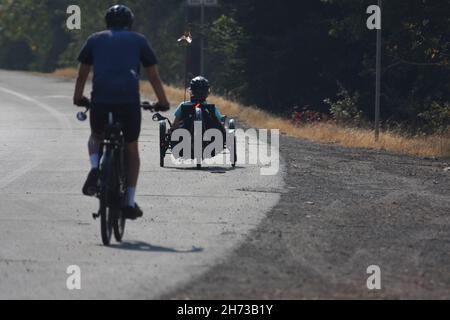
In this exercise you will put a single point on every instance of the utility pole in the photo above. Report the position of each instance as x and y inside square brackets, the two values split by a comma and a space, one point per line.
[378, 82]
[202, 4]
[202, 41]
[186, 49]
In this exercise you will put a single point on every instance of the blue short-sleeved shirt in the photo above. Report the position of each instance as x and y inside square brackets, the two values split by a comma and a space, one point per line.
[116, 57]
[178, 111]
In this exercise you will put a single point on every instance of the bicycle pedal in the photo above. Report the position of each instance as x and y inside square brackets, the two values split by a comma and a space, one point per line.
[92, 191]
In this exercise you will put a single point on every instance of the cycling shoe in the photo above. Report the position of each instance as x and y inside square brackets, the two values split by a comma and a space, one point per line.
[131, 213]
[90, 186]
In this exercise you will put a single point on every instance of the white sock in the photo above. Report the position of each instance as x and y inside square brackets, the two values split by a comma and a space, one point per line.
[131, 192]
[94, 160]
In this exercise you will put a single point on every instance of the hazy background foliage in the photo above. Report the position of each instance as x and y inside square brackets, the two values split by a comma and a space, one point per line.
[274, 54]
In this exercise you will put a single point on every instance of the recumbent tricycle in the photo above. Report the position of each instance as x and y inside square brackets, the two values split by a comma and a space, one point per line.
[197, 119]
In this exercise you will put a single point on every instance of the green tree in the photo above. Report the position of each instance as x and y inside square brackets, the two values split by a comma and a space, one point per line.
[39, 25]
[161, 21]
[225, 38]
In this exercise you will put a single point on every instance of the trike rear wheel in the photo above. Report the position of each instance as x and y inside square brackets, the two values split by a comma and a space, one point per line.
[162, 142]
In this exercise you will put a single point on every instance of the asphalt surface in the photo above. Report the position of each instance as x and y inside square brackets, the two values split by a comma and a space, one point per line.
[342, 211]
[310, 232]
[192, 218]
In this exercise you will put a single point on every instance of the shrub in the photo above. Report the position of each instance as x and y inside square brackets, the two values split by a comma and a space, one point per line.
[345, 109]
[436, 118]
[306, 116]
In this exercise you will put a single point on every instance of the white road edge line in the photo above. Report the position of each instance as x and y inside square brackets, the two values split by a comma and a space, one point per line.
[14, 175]
[53, 97]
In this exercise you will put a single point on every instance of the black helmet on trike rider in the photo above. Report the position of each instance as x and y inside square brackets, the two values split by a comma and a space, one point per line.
[199, 88]
[119, 17]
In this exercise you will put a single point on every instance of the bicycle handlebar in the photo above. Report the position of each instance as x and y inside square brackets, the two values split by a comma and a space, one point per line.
[148, 106]
[152, 107]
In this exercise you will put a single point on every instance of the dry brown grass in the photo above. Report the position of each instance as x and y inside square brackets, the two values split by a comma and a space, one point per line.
[330, 133]
[67, 73]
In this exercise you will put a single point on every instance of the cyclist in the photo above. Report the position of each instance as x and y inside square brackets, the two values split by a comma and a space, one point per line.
[115, 55]
[200, 90]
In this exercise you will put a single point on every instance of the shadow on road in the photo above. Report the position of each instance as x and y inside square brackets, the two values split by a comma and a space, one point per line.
[216, 170]
[143, 246]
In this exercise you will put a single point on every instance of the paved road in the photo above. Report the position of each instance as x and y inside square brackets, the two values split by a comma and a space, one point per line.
[193, 219]
[342, 211]
[216, 233]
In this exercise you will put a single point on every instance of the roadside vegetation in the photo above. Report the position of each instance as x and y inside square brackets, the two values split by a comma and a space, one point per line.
[308, 66]
[313, 126]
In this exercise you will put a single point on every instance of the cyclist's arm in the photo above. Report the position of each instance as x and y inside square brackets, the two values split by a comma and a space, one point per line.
[218, 114]
[177, 122]
[155, 81]
[83, 74]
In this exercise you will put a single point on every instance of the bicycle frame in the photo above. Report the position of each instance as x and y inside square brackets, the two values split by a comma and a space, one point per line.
[113, 186]
[115, 145]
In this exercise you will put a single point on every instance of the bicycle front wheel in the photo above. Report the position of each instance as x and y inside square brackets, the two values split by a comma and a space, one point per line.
[106, 214]
[106, 225]
[118, 225]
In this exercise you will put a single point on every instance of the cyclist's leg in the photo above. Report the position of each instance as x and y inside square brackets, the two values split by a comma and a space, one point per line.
[97, 122]
[94, 148]
[131, 120]
[98, 119]
[133, 162]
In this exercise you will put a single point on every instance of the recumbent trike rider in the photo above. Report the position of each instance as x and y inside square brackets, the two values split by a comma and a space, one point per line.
[205, 115]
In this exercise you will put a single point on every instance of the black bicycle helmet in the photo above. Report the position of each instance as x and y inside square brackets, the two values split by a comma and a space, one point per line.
[119, 17]
[200, 88]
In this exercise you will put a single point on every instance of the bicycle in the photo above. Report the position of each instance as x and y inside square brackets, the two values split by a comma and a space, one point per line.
[112, 185]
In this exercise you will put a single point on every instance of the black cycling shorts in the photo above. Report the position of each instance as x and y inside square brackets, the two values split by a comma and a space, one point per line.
[128, 115]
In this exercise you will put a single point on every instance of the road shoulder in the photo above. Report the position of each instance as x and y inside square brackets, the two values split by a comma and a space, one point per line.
[343, 210]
